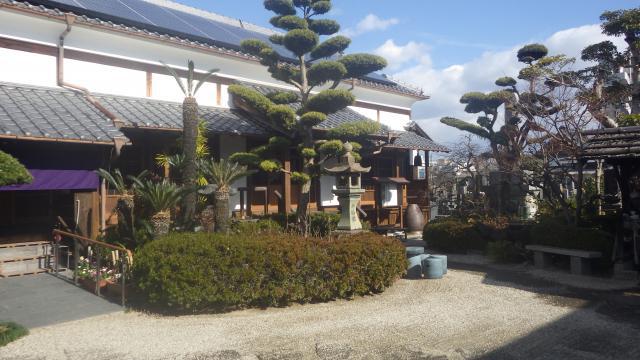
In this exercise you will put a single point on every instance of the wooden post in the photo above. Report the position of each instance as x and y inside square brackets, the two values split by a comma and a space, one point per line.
[103, 205]
[219, 94]
[286, 182]
[149, 84]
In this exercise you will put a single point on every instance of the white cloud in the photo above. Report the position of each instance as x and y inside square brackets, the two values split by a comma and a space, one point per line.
[402, 55]
[445, 86]
[370, 23]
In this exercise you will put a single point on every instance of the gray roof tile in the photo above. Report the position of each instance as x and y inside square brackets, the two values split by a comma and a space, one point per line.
[52, 113]
[141, 112]
[411, 140]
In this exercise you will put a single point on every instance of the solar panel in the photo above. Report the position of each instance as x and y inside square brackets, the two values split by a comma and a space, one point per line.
[170, 21]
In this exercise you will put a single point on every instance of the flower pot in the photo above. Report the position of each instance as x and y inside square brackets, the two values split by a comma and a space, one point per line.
[415, 219]
[114, 289]
[90, 284]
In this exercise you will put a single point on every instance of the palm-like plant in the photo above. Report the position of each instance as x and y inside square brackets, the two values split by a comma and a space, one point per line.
[189, 132]
[117, 183]
[222, 174]
[161, 197]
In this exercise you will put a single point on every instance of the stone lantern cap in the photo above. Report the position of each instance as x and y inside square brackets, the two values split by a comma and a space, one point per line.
[346, 164]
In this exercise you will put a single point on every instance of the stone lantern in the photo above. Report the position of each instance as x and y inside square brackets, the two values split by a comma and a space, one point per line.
[348, 188]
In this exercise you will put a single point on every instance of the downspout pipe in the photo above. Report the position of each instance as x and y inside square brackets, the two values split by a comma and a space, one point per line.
[70, 20]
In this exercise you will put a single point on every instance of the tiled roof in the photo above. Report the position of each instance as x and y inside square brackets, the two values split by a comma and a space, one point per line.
[52, 113]
[612, 143]
[411, 140]
[368, 81]
[148, 113]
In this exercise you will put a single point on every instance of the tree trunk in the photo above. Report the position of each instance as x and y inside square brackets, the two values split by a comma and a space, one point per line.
[189, 138]
[161, 222]
[305, 189]
[222, 211]
[579, 192]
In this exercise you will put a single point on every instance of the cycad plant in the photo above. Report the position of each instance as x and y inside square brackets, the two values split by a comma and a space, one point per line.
[222, 174]
[160, 197]
[189, 133]
[117, 183]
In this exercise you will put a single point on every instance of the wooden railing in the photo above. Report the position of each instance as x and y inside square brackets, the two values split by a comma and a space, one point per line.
[124, 257]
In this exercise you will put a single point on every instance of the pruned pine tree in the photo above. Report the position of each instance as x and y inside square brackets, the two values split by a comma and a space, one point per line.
[520, 109]
[318, 64]
[626, 23]
[189, 134]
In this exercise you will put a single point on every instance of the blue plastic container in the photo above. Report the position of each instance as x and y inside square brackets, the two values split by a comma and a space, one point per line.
[414, 250]
[414, 269]
[432, 267]
[444, 262]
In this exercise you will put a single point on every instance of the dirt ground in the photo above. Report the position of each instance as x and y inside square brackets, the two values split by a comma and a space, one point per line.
[476, 311]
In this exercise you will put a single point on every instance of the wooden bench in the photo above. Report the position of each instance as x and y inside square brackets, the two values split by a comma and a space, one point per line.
[580, 259]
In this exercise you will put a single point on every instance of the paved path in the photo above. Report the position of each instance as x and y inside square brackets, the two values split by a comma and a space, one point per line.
[41, 300]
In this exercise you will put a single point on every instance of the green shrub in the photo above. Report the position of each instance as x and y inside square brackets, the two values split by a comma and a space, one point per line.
[453, 236]
[196, 272]
[503, 251]
[322, 224]
[261, 226]
[553, 232]
[12, 172]
[10, 332]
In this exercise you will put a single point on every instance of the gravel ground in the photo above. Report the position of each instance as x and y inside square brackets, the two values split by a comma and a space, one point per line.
[467, 314]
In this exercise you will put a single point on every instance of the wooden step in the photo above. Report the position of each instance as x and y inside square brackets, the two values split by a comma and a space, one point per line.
[24, 244]
[24, 251]
[24, 258]
[18, 273]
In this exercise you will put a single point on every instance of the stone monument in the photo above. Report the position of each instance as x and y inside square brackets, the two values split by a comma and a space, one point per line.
[348, 188]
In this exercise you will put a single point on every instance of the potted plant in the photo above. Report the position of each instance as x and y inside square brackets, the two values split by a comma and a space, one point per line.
[86, 272]
[160, 197]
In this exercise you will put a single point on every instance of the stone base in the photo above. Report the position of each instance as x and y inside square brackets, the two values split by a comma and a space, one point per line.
[348, 232]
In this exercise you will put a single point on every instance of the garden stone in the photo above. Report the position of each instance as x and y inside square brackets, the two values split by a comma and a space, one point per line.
[414, 271]
[444, 262]
[432, 268]
[414, 250]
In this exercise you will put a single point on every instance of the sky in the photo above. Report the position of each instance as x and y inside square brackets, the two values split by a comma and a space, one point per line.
[448, 48]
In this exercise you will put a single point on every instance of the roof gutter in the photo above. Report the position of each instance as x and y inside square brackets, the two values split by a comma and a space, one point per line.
[117, 122]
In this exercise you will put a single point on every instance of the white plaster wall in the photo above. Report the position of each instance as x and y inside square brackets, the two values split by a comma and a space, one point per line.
[369, 113]
[44, 30]
[27, 68]
[327, 198]
[106, 79]
[165, 87]
[393, 120]
[229, 145]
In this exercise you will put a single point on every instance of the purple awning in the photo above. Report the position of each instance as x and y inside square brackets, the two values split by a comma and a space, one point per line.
[58, 180]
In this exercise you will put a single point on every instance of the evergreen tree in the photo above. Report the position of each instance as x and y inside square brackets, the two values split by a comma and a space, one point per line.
[12, 172]
[319, 64]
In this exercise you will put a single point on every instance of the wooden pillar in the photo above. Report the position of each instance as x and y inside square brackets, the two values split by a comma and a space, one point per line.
[149, 84]
[426, 187]
[286, 182]
[219, 94]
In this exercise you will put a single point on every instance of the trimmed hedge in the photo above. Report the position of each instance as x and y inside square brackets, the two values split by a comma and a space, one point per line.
[10, 332]
[555, 233]
[197, 272]
[453, 236]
